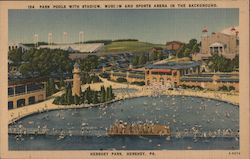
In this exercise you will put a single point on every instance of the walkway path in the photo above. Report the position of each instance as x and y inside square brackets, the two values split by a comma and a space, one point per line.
[107, 83]
[147, 91]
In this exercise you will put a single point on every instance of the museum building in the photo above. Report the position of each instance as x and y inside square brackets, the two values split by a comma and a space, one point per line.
[225, 43]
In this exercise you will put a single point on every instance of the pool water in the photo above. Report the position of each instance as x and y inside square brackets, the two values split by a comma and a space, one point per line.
[179, 112]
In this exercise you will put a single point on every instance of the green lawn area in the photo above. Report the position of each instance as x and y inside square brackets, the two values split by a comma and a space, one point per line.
[130, 46]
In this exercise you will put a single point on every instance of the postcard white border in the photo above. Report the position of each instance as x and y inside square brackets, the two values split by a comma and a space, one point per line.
[243, 5]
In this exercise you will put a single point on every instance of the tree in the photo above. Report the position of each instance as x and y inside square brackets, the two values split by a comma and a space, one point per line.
[195, 48]
[180, 53]
[93, 78]
[64, 96]
[76, 99]
[82, 97]
[62, 83]
[142, 59]
[26, 69]
[191, 47]
[135, 60]
[223, 88]
[222, 64]
[89, 63]
[102, 94]
[15, 56]
[88, 96]
[111, 94]
[104, 75]
[160, 56]
[230, 88]
[187, 52]
[153, 56]
[107, 94]
[44, 62]
[69, 94]
[50, 87]
[95, 97]
[191, 43]
[235, 61]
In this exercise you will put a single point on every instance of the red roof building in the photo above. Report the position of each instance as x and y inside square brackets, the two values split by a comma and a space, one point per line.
[174, 45]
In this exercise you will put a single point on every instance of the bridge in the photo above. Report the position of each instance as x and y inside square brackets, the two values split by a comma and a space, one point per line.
[85, 131]
[96, 131]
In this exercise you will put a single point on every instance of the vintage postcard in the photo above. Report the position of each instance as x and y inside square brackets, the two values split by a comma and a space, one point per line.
[124, 79]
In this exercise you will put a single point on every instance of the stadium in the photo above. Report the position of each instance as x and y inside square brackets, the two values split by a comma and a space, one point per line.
[78, 51]
[80, 48]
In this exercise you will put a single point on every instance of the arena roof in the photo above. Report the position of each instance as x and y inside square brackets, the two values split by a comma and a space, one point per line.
[230, 30]
[216, 44]
[208, 79]
[221, 75]
[197, 79]
[162, 70]
[228, 80]
[137, 76]
[174, 65]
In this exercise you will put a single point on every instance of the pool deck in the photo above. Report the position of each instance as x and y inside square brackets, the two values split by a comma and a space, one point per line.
[16, 114]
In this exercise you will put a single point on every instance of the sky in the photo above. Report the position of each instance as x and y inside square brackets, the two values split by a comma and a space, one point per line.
[149, 25]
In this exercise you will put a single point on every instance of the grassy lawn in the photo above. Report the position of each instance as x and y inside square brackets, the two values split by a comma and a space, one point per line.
[130, 46]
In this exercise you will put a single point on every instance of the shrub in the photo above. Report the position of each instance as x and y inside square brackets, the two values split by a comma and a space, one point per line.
[95, 79]
[184, 86]
[199, 87]
[223, 88]
[230, 88]
[121, 80]
[105, 75]
[138, 83]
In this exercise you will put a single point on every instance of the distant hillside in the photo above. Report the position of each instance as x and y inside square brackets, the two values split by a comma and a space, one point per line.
[129, 46]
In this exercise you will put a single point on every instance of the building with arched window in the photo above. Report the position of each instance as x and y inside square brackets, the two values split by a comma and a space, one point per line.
[25, 92]
[169, 74]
